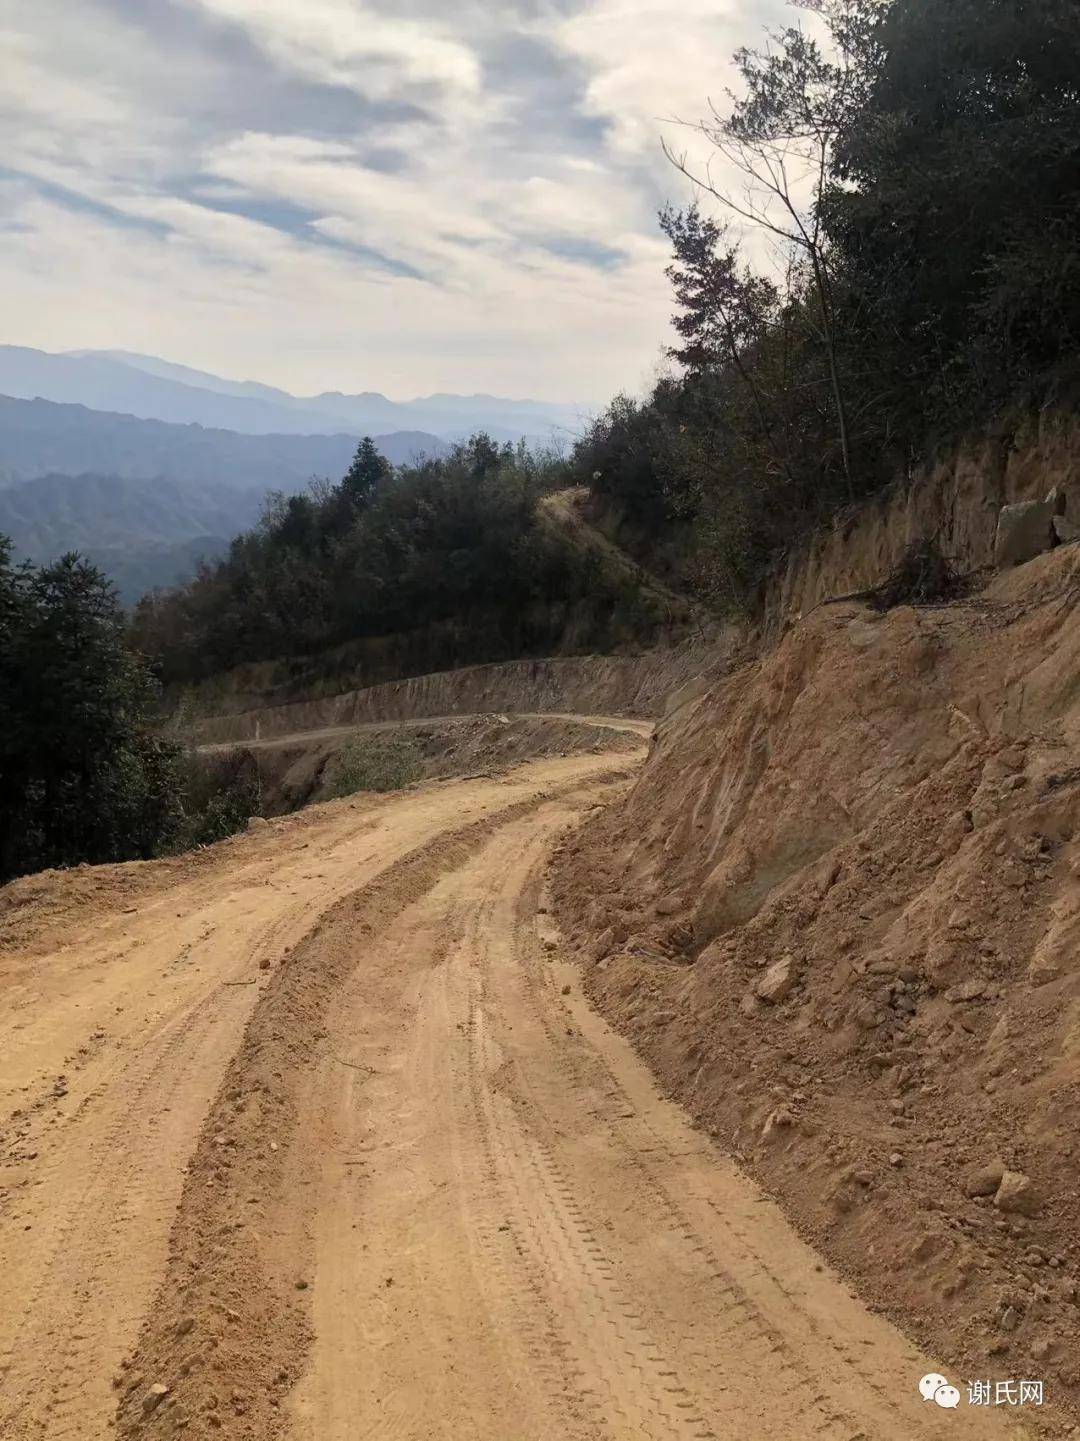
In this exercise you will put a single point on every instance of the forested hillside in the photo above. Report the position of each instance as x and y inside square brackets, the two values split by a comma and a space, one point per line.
[452, 552]
[146, 500]
[913, 167]
[141, 533]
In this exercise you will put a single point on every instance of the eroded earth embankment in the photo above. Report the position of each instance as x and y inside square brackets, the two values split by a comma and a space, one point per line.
[839, 915]
[584, 685]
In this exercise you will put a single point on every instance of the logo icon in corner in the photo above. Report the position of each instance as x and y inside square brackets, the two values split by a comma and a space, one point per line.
[934, 1387]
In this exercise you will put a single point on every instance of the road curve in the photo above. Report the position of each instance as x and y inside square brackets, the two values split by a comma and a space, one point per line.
[312, 1136]
[629, 725]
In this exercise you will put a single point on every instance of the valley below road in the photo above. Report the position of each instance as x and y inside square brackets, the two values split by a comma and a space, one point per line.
[312, 1135]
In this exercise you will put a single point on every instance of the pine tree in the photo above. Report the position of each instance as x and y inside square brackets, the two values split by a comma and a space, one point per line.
[366, 474]
[83, 775]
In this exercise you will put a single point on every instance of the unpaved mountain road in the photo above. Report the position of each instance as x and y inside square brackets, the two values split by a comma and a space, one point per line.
[627, 724]
[309, 1129]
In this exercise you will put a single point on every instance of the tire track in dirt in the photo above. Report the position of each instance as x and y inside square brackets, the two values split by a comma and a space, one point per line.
[99, 1186]
[230, 1322]
[540, 1246]
[117, 1025]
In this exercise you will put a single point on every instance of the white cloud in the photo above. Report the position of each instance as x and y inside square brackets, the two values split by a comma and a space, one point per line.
[343, 42]
[32, 89]
[649, 64]
[321, 195]
[581, 204]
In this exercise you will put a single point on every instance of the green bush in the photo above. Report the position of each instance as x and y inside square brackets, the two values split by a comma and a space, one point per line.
[219, 797]
[375, 761]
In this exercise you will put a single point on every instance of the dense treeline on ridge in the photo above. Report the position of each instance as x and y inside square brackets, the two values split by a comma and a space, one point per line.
[911, 169]
[386, 552]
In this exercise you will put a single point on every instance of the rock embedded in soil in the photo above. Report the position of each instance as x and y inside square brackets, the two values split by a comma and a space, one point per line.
[1024, 531]
[154, 1397]
[778, 981]
[986, 1180]
[966, 991]
[1017, 1194]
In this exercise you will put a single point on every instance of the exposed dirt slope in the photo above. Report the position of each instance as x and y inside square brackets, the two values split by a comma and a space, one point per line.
[956, 498]
[582, 685]
[317, 1122]
[876, 828]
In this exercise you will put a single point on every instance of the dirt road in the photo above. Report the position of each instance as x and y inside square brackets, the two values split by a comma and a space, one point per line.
[314, 1130]
[627, 724]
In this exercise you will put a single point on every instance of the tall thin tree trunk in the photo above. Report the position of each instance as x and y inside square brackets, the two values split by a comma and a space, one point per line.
[834, 369]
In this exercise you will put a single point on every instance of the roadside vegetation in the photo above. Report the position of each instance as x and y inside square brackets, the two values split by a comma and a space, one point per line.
[913, 168]
[85, 772]
[379, 761]
[84, 775]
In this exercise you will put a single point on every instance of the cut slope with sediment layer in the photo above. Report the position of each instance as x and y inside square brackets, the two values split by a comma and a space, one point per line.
[839, 914]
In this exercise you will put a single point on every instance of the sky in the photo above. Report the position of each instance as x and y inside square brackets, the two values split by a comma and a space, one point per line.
[396, 195]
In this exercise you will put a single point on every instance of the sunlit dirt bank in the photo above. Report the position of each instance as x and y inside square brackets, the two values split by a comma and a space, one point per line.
[839, 916]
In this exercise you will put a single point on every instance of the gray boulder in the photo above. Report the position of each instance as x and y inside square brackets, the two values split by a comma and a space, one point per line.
[1024, 531]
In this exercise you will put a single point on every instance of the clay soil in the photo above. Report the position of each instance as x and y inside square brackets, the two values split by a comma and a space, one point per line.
[312, 1135]
[838, 914]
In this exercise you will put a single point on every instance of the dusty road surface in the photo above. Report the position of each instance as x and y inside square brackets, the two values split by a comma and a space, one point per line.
[314, 1130]
[626, 724]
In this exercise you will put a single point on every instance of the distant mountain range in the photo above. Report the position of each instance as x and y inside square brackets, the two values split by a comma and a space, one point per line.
[146, 467]
[144, 533]
[155, 389]
[39, 437]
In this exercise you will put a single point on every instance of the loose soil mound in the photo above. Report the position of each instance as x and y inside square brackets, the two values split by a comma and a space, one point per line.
[840, 915]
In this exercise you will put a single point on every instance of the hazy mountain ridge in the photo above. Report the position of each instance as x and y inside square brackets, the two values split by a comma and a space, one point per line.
[155, 389]
[147, 466]
[143, 533]
[41, 437]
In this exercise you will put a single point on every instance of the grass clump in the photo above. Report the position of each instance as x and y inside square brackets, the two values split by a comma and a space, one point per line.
[219, 796]
[374, 761]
